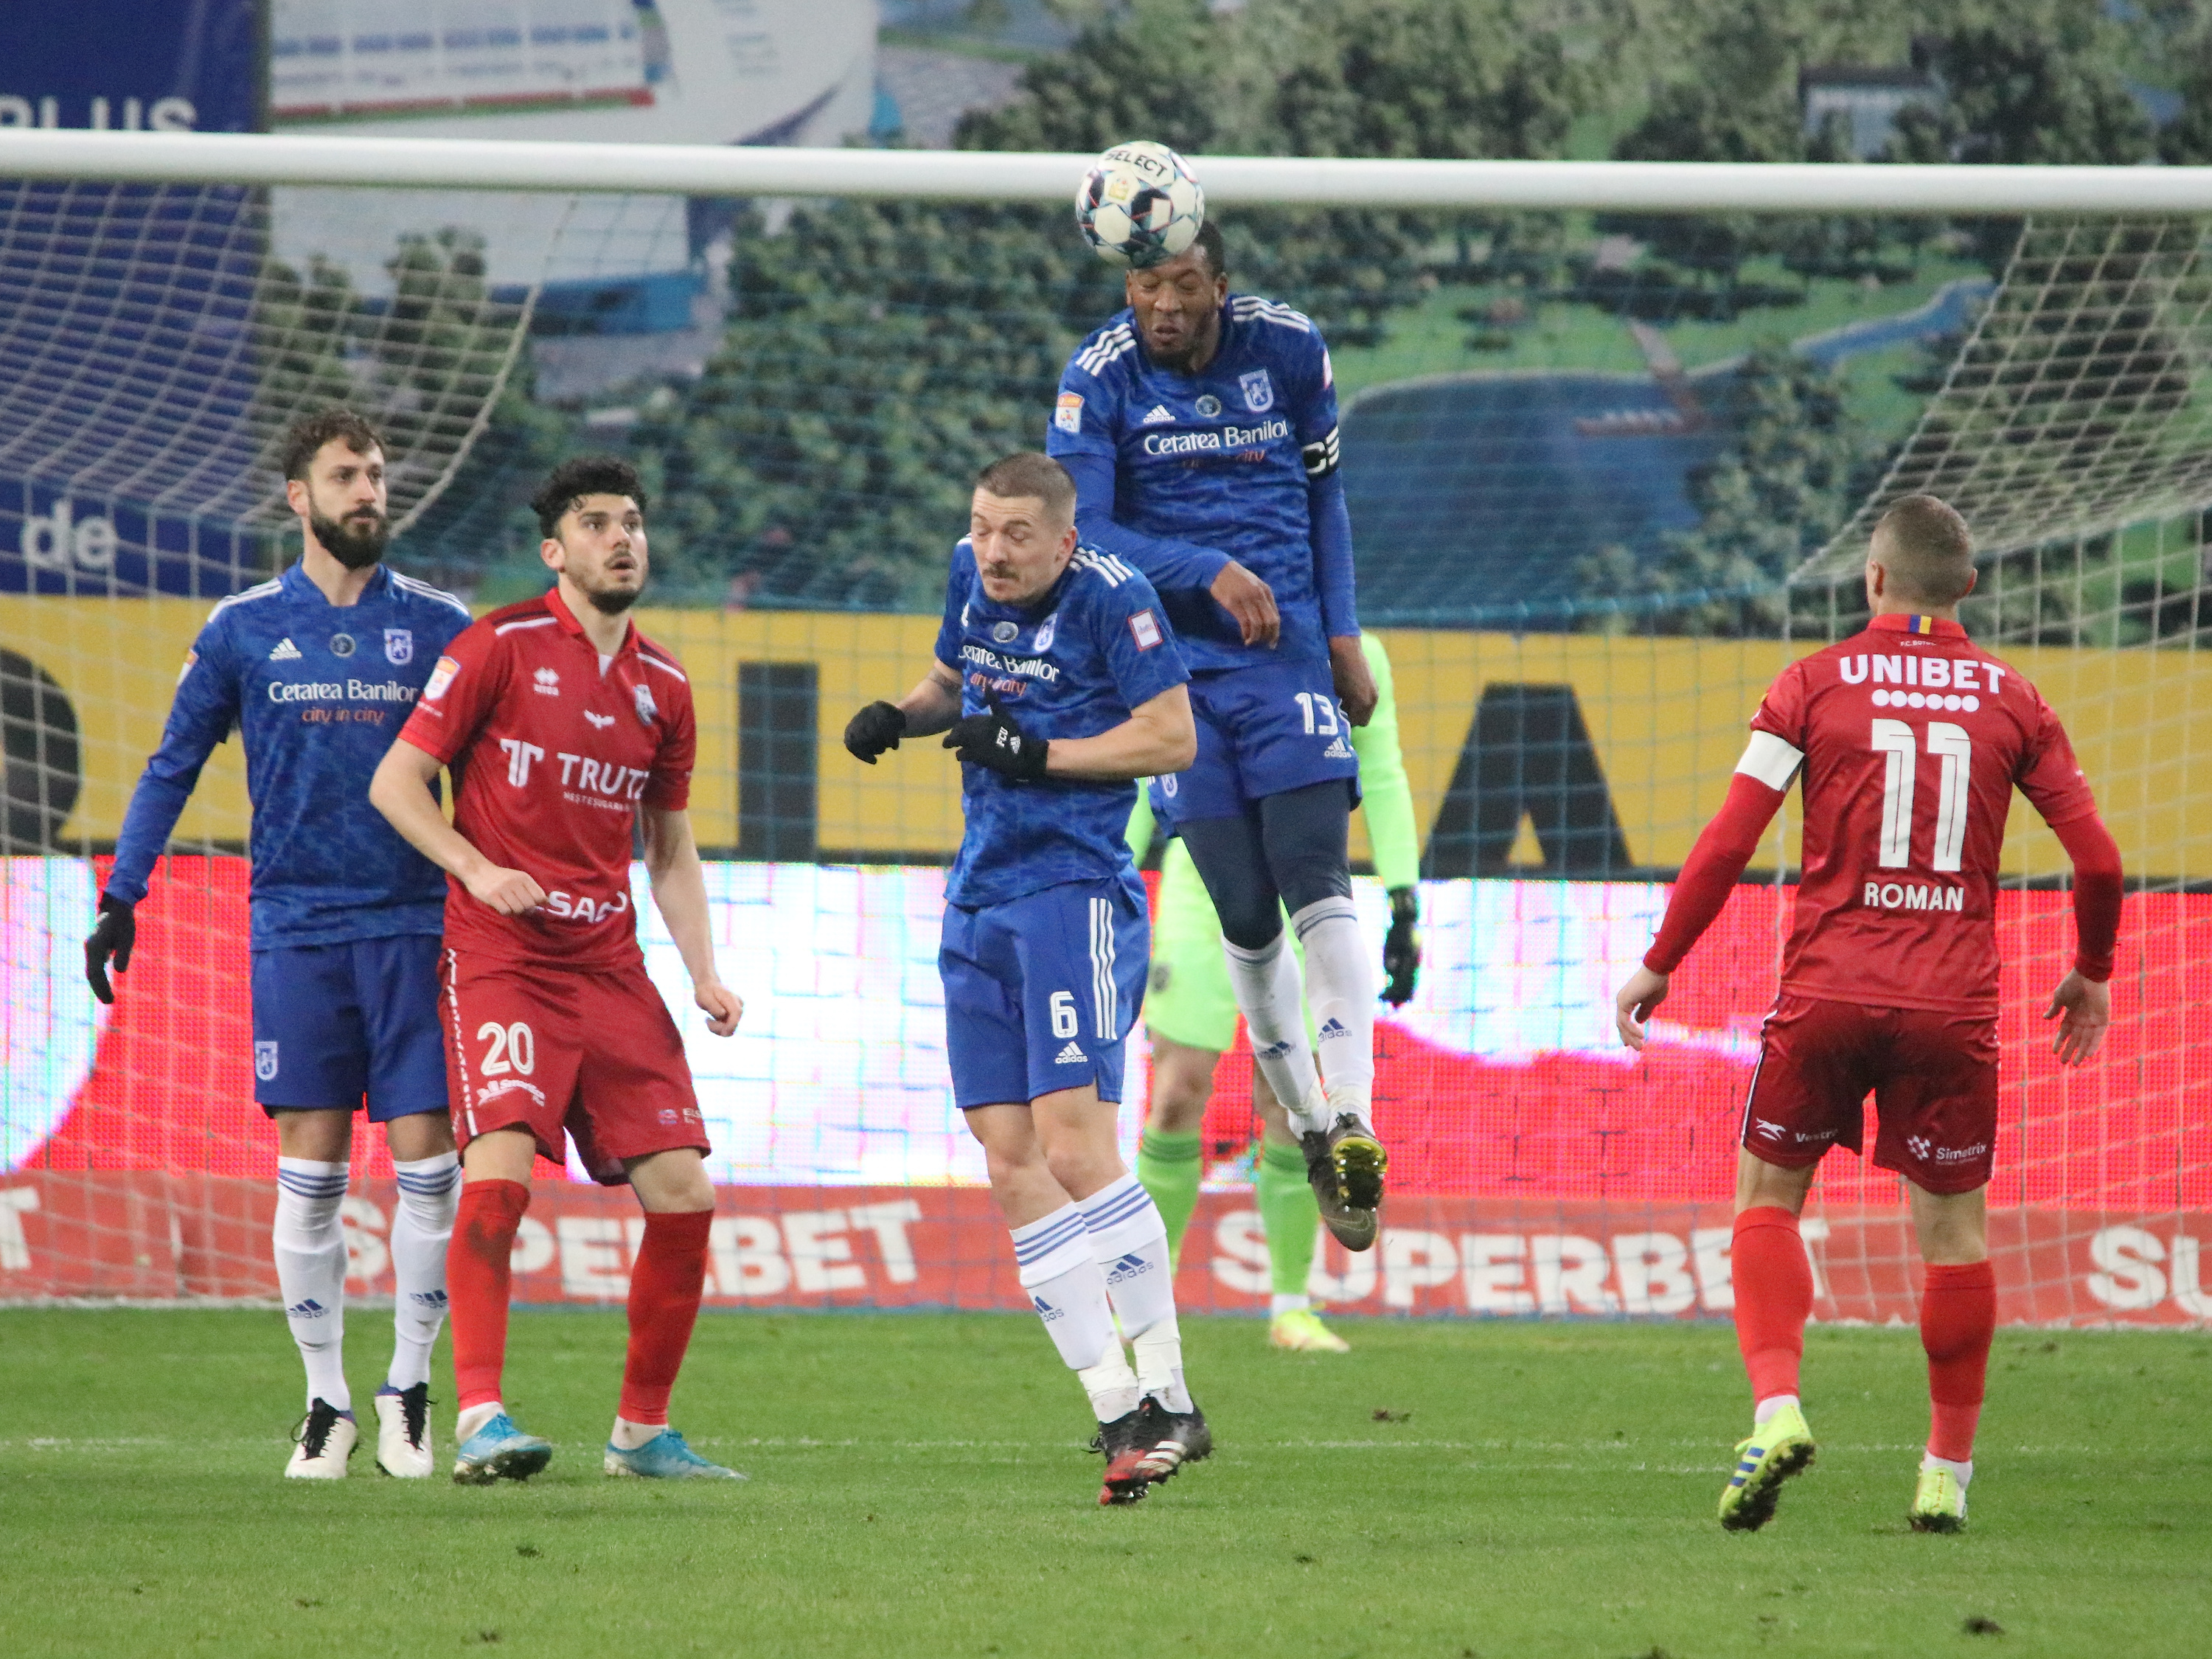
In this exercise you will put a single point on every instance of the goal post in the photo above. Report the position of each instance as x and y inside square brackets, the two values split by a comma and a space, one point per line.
[1612, 436]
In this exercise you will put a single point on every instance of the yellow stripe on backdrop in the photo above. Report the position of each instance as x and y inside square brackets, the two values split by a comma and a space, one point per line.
[1665, 718]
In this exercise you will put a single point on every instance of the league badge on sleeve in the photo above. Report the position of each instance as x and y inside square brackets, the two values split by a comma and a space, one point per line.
[1068, 413]
[1259, 391]
[399, 647]
[190, 657]
[1145, 628]
[440, 678]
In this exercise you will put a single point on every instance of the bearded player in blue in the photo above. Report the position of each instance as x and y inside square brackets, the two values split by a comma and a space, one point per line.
[1058, 683]
[316, 670]
[1201, 429]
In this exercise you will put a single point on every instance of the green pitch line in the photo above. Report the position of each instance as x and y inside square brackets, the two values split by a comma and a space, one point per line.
[918, 1487]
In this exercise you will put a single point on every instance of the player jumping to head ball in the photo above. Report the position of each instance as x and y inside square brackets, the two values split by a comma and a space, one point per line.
[1200, 429]
[1908, 740]
[564, 727]
[1057, 682]
[316, 670]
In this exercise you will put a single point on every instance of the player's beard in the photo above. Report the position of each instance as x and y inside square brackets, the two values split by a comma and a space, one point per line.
[613, 601]
[352, 543]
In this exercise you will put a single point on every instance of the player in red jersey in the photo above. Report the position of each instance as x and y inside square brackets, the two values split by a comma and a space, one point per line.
[1910, 740]
[564, 727]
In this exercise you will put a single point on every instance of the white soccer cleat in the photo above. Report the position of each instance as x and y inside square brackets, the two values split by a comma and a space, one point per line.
[403, 1432]
[325, 1441]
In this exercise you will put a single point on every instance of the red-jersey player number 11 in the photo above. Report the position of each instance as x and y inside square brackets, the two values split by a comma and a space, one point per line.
[1895, 740]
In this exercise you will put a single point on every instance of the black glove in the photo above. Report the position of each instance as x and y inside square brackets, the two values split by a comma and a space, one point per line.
[993, 740]
[1401, 946]
[874, 729]
[113, 935]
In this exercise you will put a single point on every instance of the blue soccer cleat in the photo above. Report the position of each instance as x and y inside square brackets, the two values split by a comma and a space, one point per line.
[665, 1457]
[500, 1451]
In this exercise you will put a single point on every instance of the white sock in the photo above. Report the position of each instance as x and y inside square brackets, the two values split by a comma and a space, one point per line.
[1340, 989]
[1129, 1241]
[474, 1418]
[309, 1241]
[1964, 1471]
[1768, 1406]
[1112, 1386]
[1064, 1284]
[629, 1437]
[429, 1192]
[1159, 1364]
[1279, 1305]
[1266, 982]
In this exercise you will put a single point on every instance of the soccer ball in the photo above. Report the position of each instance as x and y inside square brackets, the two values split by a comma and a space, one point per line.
[1139, 205]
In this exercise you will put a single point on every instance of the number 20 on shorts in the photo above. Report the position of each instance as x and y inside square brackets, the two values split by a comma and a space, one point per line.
[508, 1048]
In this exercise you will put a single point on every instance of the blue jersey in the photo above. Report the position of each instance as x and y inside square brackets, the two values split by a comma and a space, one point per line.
[317, 692]
[1231, 463]
[1074, 663]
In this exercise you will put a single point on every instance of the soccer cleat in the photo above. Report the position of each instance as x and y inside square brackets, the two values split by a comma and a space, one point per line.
[1939, 1502]
[403, 1432]
[325, 1438]
[1782, 1447]
[665, 1457]
[1126, 1443]
[499, 1451]
[1302, 1332]
[1176, 1438]
[1345, 1167]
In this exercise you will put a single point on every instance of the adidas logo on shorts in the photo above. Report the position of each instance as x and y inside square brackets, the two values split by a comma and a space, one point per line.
[1070, 1055]
[1338, 751]
[1335, 1028]
[284, 651]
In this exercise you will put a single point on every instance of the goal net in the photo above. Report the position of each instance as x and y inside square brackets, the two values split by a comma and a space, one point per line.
[1608, 475]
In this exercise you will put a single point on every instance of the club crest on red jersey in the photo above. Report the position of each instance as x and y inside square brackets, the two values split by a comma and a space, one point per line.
[647, 713]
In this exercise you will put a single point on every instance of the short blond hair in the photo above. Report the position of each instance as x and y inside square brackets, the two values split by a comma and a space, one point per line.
[1927, 549]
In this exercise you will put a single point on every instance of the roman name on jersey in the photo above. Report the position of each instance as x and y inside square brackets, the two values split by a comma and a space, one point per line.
[1899, 895]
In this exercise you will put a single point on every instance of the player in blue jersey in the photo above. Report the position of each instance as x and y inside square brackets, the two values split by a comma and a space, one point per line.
[1058, 683]
[316, 670]
[1201, 429]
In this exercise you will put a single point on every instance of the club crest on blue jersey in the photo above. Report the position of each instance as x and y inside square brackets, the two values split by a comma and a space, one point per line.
[1046, 631]
[1259, 391]
[264, 1061]
[399, 646]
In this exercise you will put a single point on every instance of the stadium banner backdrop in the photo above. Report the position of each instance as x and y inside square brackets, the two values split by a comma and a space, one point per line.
[1665, 718]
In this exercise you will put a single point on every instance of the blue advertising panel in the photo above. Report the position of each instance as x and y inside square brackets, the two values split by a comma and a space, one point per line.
[126, 442]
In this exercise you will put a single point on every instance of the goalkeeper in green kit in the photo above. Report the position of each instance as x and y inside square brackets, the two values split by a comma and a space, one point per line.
[1191, 1013]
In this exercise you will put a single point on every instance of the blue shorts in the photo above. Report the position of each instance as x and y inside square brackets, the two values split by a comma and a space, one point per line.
[1260, 730]
[334, 1024]
[1040, 992]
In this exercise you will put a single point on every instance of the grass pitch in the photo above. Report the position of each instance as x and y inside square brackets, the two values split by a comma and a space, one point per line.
[918, 1487]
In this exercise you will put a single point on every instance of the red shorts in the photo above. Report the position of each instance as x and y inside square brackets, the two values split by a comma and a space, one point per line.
[591, 1051]
[1934, 1077]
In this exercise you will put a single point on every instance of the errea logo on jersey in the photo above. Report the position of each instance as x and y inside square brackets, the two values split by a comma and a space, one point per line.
[548, 682]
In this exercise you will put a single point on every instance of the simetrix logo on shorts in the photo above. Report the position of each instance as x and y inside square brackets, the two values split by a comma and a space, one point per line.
[1927, 1151]
[507, 1086]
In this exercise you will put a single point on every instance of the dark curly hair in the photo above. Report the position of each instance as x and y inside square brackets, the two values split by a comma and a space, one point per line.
[580, 476]
[307, 435]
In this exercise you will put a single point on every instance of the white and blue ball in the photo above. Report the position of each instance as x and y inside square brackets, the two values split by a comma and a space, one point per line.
[1139, 205]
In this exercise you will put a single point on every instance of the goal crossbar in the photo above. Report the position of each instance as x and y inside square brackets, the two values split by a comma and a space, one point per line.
[748, 170]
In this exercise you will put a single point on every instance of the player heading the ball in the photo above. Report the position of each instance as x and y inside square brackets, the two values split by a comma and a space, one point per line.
[1908, 740]
[565, 728]
[315, 671]
[1199, 427]
[1058, 684]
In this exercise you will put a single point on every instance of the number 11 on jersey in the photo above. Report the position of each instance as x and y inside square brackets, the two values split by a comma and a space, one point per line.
[1894, 739]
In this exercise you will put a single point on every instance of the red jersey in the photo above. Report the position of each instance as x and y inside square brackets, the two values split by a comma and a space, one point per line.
[1912, 740]
[552, 757]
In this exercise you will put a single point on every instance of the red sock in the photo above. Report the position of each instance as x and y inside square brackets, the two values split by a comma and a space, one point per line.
[1958, 1318]
[665, 1286]
[1773, 1298]
[478, 1273]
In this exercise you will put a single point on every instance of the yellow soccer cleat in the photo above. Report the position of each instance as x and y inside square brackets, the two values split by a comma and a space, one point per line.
[1302, 1332]
[1939, 1502]
[1782, 1447]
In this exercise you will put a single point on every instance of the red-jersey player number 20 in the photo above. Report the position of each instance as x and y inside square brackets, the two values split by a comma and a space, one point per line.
[1895, 740]
[511, 1048]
